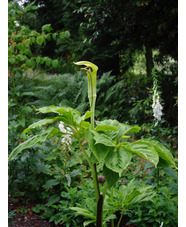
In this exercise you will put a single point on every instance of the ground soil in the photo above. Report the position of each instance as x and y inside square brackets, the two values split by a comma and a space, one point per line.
[26, 217]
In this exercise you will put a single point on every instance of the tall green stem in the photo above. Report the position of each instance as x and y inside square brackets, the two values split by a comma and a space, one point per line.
[91, 71]
[94, 175]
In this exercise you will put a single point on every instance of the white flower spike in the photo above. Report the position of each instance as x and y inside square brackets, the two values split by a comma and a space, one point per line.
[156, 106]
[66, 138]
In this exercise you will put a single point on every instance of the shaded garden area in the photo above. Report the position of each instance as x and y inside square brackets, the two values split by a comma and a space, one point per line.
[93, 146]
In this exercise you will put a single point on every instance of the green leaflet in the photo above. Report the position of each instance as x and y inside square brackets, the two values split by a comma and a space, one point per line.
[44, 122]
[109, 122]
[145, 150]
[29, 143]
[162, 151]
[103, 139]
[124, 128]
[106, 128]
[118, 160]
[39, 123]
[117, 130]
[111, 176]
[99, 150]
[68, 115]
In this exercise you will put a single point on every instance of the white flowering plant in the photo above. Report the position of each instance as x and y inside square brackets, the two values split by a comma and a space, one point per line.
[156, 106]
[104, 142]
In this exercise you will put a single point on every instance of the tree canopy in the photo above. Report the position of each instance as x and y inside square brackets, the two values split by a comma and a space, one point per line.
[102, 31]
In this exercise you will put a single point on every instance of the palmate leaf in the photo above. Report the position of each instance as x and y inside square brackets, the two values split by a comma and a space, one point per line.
[144, 150]
[30, 142]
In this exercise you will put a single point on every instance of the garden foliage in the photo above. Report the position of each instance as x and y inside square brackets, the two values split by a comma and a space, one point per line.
[107, 143]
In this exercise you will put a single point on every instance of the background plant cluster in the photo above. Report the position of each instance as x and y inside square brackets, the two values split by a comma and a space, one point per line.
[41, 73]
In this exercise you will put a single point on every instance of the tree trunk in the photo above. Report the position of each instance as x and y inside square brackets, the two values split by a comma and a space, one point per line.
[149, 62]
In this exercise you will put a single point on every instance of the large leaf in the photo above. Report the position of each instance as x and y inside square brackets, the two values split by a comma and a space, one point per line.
[99, 150]
[145, 150]
[162, 151]
[111, 176]
[29, 143]
[118, 160]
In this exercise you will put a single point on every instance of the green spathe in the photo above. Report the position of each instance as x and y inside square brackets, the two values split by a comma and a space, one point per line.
[91, 71]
